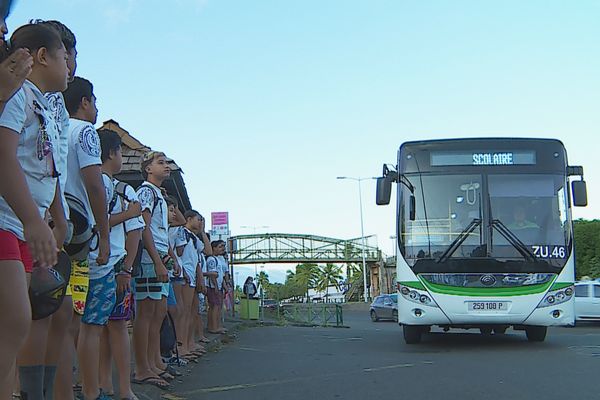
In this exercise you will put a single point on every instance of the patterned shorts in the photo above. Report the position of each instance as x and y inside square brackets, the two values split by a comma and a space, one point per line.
[124, 308]
[101, 299]
[147, 285]
[78, 284]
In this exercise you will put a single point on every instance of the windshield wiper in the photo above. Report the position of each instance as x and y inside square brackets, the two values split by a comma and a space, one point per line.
[462, 236]
[513, 240]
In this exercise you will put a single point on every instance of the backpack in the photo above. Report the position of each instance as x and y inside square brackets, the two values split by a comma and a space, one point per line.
[78, 247]
[119, 191]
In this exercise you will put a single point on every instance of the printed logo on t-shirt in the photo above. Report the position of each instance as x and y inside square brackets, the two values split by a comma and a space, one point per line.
[89, 142]
[146, 197]
[54, 105]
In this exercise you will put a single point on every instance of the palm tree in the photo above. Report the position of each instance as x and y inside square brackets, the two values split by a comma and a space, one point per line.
[330, 275]
[263, 280]
[306, 277]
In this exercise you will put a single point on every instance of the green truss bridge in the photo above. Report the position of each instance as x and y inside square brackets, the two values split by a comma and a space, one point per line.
[298, 249]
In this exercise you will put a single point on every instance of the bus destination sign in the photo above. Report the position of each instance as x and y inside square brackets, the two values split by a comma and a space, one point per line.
[482, 158]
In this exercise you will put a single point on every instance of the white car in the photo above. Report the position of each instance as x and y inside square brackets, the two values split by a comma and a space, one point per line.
[587, 301]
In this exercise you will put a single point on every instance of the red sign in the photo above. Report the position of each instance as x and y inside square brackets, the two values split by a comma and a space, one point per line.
[219, 218]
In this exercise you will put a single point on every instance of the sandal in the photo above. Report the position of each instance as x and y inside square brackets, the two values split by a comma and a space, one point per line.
[152, 381]
[173, 371]
[166, 376]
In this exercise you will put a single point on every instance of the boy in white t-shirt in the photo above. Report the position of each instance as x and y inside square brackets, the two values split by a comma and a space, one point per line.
[28, 137]
[152, 287]
[62, 318]
[189, 249]
[125, 221]
[86, 185]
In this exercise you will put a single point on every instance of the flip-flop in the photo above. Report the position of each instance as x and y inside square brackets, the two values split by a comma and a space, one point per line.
[173, 371]
[205, 340]
[152, 381]
[166, 376]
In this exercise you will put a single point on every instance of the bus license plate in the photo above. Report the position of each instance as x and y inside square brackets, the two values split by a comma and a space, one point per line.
[487, 306]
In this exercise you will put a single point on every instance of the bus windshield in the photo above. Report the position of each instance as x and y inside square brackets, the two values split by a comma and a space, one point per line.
[534, 209]
[498, 217]
[446, 206]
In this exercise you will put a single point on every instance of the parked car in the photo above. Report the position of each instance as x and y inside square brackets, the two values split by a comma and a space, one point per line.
[269, 304]
[384, 307]
[587, 301]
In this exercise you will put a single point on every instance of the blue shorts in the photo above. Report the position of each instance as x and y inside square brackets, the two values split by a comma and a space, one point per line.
[171, 300]
[148, 287]
[100, 300]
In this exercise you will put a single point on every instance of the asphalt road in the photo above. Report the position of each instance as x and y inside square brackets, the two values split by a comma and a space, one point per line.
[371, 361]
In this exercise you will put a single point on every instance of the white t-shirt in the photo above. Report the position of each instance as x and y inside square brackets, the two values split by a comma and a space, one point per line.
[84, 151]
[173, 233]
[117, 232]
[58, 110]
[224, 267]
[148, 194]
[35, 151]
[212, 265]
[191, 253]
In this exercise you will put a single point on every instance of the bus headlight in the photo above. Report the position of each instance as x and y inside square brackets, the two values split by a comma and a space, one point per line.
[417, 296]
[556, 297]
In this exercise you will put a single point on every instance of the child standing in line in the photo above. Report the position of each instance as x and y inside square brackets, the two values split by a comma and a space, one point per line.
[152, 288]
[29, 137]
[126, 226]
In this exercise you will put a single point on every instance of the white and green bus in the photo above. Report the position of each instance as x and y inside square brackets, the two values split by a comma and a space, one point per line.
[484, 234]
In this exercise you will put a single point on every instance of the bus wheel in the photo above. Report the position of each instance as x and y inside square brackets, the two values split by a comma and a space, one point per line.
[536, 333]
[500, 331]
[412, 333]
[485, 331]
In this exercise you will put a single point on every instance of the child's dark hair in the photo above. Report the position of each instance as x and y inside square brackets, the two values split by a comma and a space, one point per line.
[66, 35]
[110, 141]
[216, 243]
[191, 214]
[172, 201]
[77, 90]
[34, 37]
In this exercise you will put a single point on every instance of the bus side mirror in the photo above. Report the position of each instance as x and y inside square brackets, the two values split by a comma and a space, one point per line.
[384, 191]
[413, 208]
[579, 190]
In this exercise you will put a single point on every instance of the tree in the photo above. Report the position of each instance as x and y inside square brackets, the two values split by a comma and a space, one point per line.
[306, 277]
[587, 248]
[330, 275]
[263, 280]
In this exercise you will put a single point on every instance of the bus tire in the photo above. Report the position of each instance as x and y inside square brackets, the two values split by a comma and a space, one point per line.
[536, 333]
[485, 331]
[500, 331]
[412, 334]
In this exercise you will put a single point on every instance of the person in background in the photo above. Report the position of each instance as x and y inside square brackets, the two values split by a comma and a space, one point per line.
[249, 288]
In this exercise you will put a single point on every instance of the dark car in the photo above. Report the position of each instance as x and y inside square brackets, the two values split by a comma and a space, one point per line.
[384, 307]
[269, 304]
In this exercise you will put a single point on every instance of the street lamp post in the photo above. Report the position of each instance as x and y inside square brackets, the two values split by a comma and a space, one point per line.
[362, 233]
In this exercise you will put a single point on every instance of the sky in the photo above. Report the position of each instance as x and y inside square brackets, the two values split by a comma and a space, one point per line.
[264, 103]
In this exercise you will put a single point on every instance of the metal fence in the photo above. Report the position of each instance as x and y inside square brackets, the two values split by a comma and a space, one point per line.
[319, 314]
